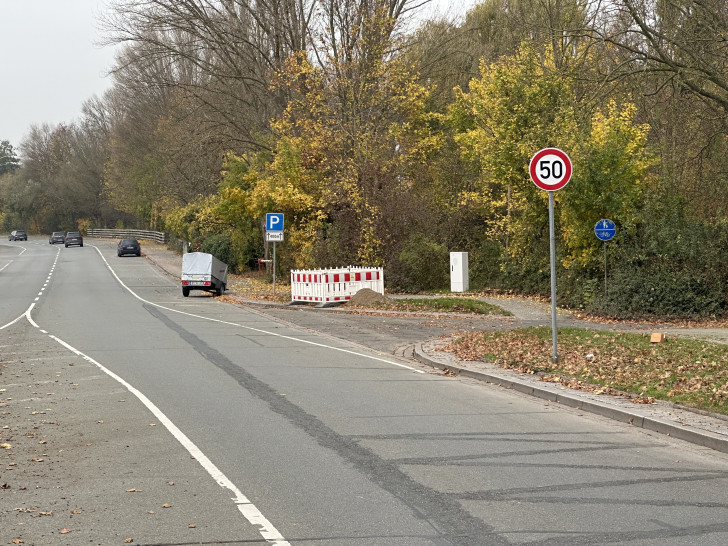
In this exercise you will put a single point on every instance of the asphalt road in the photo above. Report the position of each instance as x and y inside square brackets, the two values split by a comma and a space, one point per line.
[130, 413]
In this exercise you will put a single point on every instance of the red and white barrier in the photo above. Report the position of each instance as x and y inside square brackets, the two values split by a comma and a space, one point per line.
[332, 285]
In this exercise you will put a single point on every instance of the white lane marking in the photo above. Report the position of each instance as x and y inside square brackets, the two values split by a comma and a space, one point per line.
[282, 336]
[7, 264]
[251, 513]
[30, 319]
[12, 322]
[27, 313]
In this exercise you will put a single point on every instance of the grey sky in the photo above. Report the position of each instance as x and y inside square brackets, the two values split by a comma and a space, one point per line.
[50, 62]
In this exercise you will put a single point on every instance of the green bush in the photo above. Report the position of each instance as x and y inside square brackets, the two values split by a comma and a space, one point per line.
[422, 264]
[672, 267]
[485, 265]
[221, 247]
[654, 291]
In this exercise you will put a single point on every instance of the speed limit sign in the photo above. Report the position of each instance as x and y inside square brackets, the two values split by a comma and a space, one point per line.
[550, 169]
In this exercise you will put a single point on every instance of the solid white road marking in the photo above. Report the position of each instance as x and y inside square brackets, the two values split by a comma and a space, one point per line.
[249, 511]
[315, 344]
[247, 508]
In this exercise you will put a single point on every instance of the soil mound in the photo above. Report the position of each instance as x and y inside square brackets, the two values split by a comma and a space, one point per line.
[366, 297]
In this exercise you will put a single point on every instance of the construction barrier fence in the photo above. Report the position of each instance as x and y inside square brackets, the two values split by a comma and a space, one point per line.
[332, 285]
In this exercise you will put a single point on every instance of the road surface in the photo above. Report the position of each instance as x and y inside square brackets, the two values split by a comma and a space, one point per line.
[135, 415]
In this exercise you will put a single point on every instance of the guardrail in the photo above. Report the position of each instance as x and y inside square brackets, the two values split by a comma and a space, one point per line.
[156, 236]
[331, 285]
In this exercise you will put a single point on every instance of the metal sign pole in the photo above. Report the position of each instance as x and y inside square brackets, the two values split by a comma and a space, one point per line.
[274, 268]
[550, 170]
[605, 269]
[552, 241]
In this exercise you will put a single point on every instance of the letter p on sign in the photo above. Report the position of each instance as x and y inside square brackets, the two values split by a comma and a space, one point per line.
[274, 221]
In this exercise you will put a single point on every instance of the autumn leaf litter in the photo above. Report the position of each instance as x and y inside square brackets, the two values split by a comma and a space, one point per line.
[689, 372]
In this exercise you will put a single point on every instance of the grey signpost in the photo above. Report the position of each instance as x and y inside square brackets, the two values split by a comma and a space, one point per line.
[550, 170]
[274, 232]
[605, 230]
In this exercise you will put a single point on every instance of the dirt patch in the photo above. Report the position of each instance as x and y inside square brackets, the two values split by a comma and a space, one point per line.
[367, 297]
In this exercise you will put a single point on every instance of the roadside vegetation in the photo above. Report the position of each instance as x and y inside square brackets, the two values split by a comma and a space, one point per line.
[688, 372]
[388, 141]
[259, 287]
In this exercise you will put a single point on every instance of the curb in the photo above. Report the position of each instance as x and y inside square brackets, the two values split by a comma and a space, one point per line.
[687, 433]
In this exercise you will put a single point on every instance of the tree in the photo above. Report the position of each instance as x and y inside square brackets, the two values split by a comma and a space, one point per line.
[221, 53]
[613, 175]
[9, 161]
[516, 107]
[683, 41]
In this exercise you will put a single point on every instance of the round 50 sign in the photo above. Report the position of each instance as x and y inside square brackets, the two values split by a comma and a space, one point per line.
[550, 169]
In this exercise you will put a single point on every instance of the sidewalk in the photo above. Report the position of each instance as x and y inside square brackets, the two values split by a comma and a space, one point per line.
[700, 428]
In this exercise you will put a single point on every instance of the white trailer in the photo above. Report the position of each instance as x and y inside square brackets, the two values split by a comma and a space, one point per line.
[201, 271]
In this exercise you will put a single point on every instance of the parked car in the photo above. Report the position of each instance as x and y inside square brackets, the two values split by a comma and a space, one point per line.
[18, 235]
[73, 238]
[56, 237]
[128, 246]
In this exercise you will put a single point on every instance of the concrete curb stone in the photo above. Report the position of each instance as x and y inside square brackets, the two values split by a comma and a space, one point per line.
[706, 430]
[700, 428]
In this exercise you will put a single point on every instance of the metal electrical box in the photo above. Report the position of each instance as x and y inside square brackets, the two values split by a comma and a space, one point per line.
[459, 278]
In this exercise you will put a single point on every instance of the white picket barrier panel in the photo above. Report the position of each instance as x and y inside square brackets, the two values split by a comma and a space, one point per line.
[332, 285]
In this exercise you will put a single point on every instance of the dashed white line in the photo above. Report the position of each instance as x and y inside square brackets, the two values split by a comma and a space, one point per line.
[249, 511]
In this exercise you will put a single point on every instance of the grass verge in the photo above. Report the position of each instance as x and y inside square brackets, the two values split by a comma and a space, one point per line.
[440, 305]
[692, 373]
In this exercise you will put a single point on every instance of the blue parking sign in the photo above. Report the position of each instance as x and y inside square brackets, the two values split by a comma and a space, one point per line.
[274, 221]
[605, 229]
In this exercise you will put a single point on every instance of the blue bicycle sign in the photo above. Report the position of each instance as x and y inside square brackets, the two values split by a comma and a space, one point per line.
[605, 230]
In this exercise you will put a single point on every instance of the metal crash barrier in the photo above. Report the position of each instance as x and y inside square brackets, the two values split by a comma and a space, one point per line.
[156, 236]
[334, 285]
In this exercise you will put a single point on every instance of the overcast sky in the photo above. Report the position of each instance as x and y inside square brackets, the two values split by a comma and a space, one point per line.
[50, 60]
[49, 63]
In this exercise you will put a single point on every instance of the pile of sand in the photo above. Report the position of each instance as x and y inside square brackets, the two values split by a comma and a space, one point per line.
[367, 297]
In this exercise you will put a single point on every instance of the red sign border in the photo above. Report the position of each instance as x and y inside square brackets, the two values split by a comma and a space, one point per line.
[550, 151]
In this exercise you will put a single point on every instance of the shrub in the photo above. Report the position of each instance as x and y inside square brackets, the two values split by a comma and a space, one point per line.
[423, 265]
[220, 246]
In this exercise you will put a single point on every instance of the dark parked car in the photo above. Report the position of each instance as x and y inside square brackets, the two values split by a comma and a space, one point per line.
[56, 237]
[128, 246]
[18, 235]
[73, 238]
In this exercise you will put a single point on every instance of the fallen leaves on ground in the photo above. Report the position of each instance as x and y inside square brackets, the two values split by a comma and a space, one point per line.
[694, 373]
[255, 287]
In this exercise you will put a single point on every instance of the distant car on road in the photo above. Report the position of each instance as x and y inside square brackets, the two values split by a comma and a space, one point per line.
[128, 246]
[73, 238]
[56, 237]
[18, 235]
